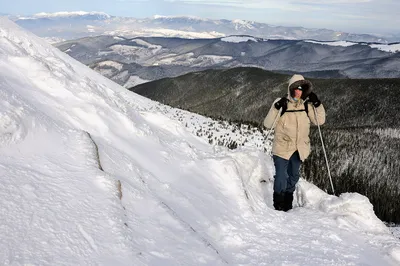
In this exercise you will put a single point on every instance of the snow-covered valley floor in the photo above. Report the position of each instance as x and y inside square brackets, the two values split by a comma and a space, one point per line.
[92, 174]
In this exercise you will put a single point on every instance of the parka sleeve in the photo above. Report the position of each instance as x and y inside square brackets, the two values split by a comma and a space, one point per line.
[271, 116]
[320, 111]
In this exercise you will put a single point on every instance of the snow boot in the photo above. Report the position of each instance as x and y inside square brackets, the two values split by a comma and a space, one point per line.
[279, 201]
[288, 201]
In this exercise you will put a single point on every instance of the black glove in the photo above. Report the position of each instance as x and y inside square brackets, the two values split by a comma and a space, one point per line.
[312, 98]
[279, 104]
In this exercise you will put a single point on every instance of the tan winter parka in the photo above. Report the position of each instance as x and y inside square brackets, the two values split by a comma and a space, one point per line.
[292, 128]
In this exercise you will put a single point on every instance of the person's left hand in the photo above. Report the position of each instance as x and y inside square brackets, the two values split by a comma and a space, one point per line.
[312, 97]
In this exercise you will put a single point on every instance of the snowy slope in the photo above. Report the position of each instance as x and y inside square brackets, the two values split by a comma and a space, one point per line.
[71, 14]
[93, 174]
[238, 39]
[157, 58]
[390, 48]
[337, 43]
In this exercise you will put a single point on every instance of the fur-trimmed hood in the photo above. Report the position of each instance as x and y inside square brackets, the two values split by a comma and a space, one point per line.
[298, 80]
[293, 128]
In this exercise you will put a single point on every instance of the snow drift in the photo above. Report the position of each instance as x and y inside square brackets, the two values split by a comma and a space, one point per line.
[94, 174]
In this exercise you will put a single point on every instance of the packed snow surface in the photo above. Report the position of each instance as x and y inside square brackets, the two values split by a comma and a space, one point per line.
[92, 174]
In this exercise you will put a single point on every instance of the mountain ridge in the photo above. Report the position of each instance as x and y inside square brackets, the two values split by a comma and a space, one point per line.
[151, 58]
[212, 28]
[244, 81]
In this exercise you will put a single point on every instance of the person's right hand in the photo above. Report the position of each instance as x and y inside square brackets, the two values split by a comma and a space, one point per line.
[279, 104]
[314, 99]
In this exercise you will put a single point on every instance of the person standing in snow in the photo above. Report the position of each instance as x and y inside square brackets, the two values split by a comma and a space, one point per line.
[292, 115]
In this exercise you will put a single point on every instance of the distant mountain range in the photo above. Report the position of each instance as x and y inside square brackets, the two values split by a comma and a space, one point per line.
[133, 61]
[72, 25]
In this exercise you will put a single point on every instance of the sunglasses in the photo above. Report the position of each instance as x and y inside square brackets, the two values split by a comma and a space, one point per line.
[299, 88]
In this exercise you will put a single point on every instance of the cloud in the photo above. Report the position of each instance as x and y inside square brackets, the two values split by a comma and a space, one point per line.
[361, 9]
[335, 2]
[269, 3]
[236, 3]
[350, 16]
[285, 5]
[133, 1]
[282, 5]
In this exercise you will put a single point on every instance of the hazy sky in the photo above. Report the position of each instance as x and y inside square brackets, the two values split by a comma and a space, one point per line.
[358, 16]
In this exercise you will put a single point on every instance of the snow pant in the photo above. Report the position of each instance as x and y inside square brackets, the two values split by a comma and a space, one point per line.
[287, 173]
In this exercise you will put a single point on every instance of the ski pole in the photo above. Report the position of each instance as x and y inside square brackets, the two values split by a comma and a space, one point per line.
[323, 148]
[273, 125]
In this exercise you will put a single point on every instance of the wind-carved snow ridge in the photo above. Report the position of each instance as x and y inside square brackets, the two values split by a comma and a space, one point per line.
[161, 195]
